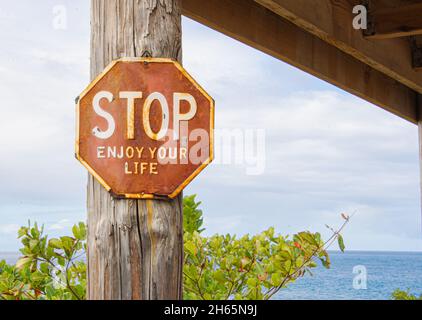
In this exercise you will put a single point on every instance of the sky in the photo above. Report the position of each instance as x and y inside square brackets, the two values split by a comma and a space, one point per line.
[323, 151]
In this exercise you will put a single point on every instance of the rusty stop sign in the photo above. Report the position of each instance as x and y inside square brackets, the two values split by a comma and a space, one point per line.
[144, 128]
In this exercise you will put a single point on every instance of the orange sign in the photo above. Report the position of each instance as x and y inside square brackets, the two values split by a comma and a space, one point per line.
[144, 128]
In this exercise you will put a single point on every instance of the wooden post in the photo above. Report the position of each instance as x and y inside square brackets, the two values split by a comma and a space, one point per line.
[135, 247]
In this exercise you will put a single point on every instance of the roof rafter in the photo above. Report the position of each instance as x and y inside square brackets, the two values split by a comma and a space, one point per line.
[331, 21]
[254, 25]
[395, 22]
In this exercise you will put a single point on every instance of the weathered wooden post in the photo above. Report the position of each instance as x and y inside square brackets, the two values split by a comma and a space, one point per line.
[135, 247]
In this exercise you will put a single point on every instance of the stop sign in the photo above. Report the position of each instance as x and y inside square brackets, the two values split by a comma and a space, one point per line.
[144, 128]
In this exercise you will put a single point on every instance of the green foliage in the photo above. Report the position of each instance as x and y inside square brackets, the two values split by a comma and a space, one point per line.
[216, 267]
[48, 269]
[192, 216]
[341, 242]
[404, 295]
[250, 267]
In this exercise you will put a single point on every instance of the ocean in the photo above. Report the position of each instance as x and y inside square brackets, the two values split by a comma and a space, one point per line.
[354, 275]
[384, 272]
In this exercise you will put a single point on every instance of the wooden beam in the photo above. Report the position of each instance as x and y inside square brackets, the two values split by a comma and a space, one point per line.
[394, 22]
[331, 21]
[264, 30]
[416, 45]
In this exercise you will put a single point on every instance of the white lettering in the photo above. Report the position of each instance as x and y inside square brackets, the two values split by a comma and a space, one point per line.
[177, 116]
[130, 118]
[165, 111]
[104, 114]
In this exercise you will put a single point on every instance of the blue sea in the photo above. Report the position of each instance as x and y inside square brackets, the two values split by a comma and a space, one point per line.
[345, 280]
[353, 275]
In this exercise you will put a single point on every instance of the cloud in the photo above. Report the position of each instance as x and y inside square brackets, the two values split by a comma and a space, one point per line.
[9, 229]
[40, 80]
[326, 151]
[60, 225]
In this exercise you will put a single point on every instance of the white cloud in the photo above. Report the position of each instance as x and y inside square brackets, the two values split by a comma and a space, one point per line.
[9, 229]
[60, 225]
[326, 151]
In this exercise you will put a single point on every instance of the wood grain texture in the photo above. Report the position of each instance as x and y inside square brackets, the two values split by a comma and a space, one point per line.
[331, 21]
[257, 26]
[394, 22]
[135, 247]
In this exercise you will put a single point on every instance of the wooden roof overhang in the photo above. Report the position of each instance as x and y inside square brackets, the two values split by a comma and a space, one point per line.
[379, 64]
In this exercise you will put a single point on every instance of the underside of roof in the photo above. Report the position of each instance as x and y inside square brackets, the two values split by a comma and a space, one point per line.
[379, 63]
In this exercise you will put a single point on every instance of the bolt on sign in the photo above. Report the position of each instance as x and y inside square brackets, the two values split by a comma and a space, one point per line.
[144, 128]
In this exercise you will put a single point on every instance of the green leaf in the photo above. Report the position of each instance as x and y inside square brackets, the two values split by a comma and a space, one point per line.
[76, 232]
[37, 277]
[22, 232]
[82, 230]
[308, 237]
[67, 243]
[252, 282]
[192, 216]
[22, 262]
[55, 243]
[275, 279]
[219, 276]
[44, 267]
[33, 243]
[35, 232]
[340, 242]
[190, 247]
[325, 262]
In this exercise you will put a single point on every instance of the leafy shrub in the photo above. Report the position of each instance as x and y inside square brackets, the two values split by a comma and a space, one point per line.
[404, 295]
[215, 267]
[250, 267]
[49, 269]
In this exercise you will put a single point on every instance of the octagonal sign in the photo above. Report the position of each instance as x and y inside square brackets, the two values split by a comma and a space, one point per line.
[144, 128]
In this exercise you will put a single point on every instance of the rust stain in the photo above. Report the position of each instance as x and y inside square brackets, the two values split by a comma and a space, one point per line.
[145, 75]
[150, 221]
